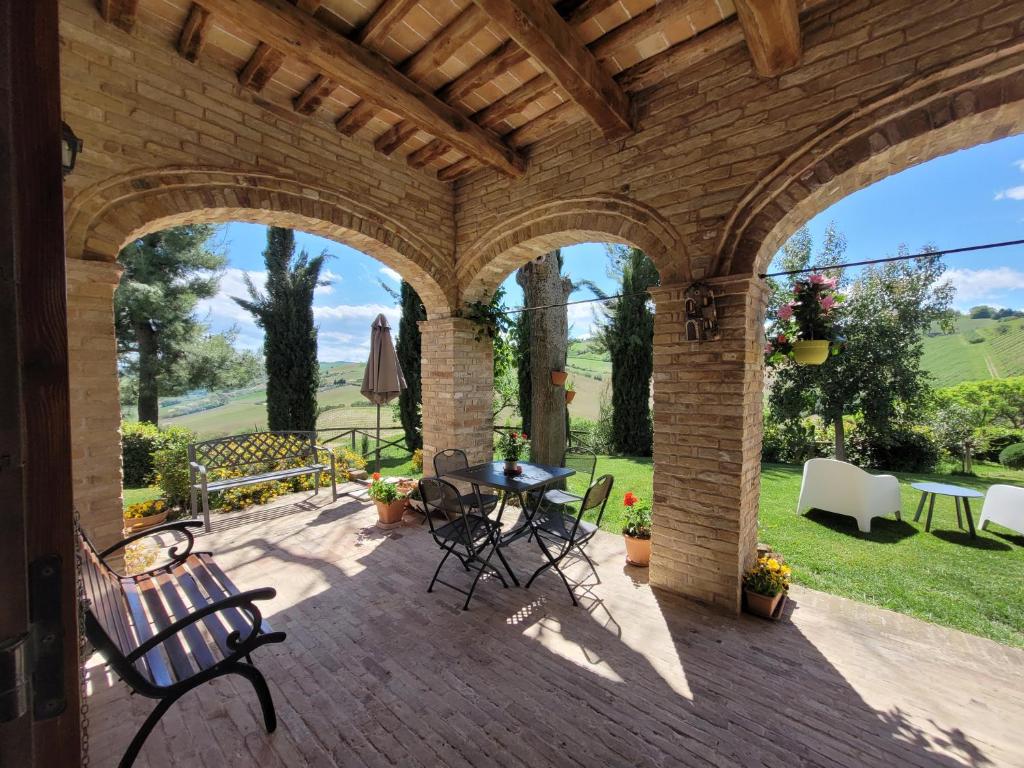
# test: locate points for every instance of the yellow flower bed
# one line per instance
(767, 577)
(145, 509)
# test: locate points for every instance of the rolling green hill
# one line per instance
(977, 350)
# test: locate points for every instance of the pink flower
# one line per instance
(817, 279)
(768, 348)
(832, 283)
(785, 311)
(827, 302)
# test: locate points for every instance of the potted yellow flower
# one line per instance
(764, 586)
(389, 500)
(145, 515)
(636, 530)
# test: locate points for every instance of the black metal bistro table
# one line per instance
(945, 489)
(534, 477)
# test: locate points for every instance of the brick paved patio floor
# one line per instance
(378, 672)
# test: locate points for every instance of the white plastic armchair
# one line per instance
(1004, 504)
(835, 486)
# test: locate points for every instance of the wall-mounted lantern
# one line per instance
(70, 146)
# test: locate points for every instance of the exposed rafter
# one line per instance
(261, 66)
(356, 118)
(384, 19)
(515, 101)
(394, 137)
(643, 26)
(120, 13)
(313, 95)
(536, 26)
(506, 56)
(427, 153)
(193, 34)
(772, 31)
(365, 73)
(681, 56)
(455, 170)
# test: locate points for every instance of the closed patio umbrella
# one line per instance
(383, 379)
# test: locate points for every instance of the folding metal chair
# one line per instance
(473, 538)
(454, 459)
(585, 464)
(561, 532)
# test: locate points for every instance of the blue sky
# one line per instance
(969, 197)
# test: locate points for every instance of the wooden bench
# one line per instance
(263, 457)
(173, 628)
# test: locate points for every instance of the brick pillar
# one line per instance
(458, 390)
(95, 400)
(707, 444)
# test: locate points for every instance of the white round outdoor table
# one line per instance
(945, 489)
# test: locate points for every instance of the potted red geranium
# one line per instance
(389, 500)
(511, 445)
(803, 329)
(636, 530)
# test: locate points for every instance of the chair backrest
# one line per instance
(1004, 504)
(450, 460)
(596, 497)
(583, 461)
(441, 496)
(254, 448)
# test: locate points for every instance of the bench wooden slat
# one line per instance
(229, 585)
(159, 672)
(106, 601)
(186, 578)
(236, 619)
(173, 646)
(197, 644)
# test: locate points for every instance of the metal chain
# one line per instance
(82, 647)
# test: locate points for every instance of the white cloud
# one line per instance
(582, 320)
(223, 308)
(974, 284)
(1013, 193)
(329, 277)
(391, 274)
(1019, 164)
(365, 312)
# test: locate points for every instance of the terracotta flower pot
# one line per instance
(390, 515)
(638, 551)
(511, 467)
(569, 395)
(558, 377)
(762, 605)
(811, 352)
(138, 523)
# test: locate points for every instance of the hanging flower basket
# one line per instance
(558, 377)
(804, 328)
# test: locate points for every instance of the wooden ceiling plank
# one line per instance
(367, 74)
(427, 153)
(313, 95)
(395, 137)
(261, 66)
(681, 56)
(536, 26)
(193, 34)
(544, 125)
(120, 13)
(455, 170)
(772, 32)
(587, 10)
(384, 19)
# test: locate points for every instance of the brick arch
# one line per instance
(603, 218)
(934, 116)
(104, 217)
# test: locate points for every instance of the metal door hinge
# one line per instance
(47, 632)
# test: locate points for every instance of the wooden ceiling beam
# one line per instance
(455, 170)
(313, 95)
(427, 154)
(515, 101)
(642, 26)
(544, 125)
(536, 26)
(586, 10)
(356, 118)
(193, 34)
(772, 32)
(367, 74)
(120, 13)
(385, 18)
(502, 59)
(440, 48)
(395, 137)
(261, 66)
(308, 6)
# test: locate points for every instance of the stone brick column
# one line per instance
(95, 400)
(458, 390)
(707, 444)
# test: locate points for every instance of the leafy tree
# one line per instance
(982, 312)
(958, 429)
(164, 349)
(1002, 399)
(285, 313)
(410, 399)
(628, 334)
(887, 311)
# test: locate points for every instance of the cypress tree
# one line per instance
(628, 333)
(408, 351)
(285, 312)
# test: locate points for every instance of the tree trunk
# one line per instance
(149, 392)
(968, 460)
(840, 438)
(543, 284)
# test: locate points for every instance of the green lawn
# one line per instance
(139, 495)
(944, 576)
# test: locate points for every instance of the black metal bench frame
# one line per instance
(252, 450)
(145, 649)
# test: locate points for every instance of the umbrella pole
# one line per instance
(378, 437)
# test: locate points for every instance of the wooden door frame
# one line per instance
(35, 425)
